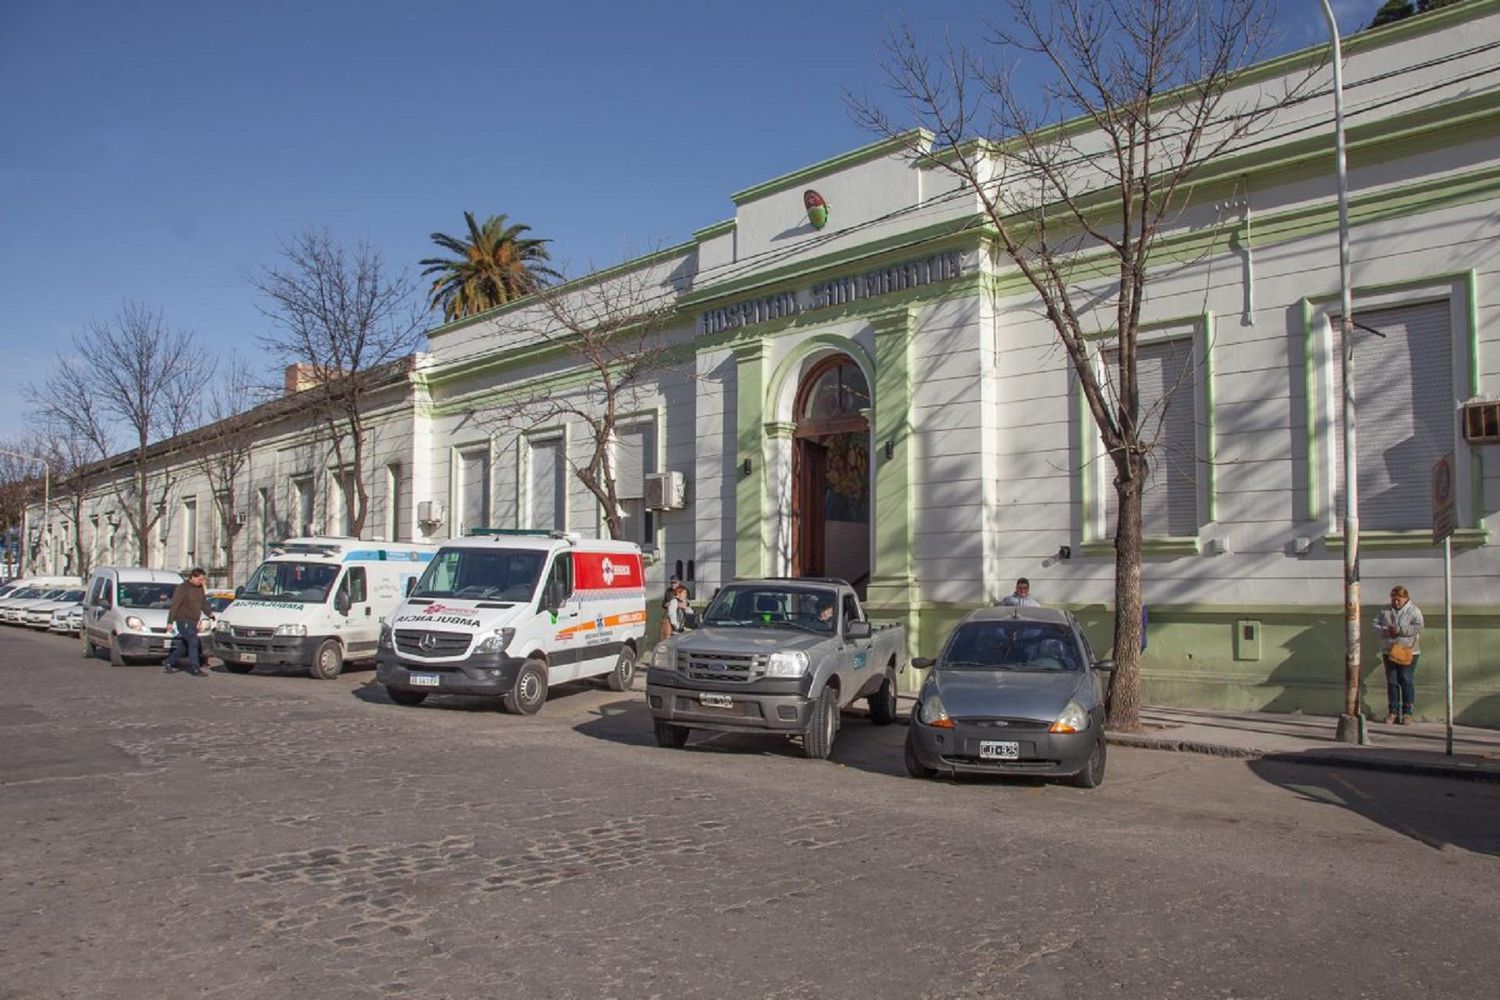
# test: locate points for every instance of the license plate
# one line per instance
(708, 700)
(425, 680)
(249, 657)
(999, 750)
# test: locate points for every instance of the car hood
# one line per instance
(749, 640)
(1007, 694)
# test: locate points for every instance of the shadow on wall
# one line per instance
(1437, 812)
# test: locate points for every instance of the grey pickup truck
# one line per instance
(776, 656)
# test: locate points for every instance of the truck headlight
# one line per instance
(496, 641)
(1072, 720)
(663, 656)
(134, 622)
(222, 627)
(298, 631)
(786, 665)
(386, 642)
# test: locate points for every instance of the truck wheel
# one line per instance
(238, 668)
(328, 662)
(817, 742)
(407, 698)
(883, 703)
(670, 736)
(620, 678)
(915, 767)
(1093, 772)
(529, 691)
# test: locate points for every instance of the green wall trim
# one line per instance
(1149, 547)
(1463, 538)
(750, 490)
(717, 229)
(1320, 446)
(874, 151)
(892, 573)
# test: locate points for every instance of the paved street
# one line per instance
(274, 836)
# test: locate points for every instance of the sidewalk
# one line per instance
(1414, 749)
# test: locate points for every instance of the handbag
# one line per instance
(1400, 655)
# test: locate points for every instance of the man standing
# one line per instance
(189, 604)
(1021, 598)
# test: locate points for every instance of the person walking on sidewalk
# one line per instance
(1400, 629)
(189, 604)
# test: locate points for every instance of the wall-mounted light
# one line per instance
(745, 467)
(1065, 552)
(890, 449)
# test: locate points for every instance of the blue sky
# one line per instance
(160, 151)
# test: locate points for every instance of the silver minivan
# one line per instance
(125, 612)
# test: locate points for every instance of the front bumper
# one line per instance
(143, 644)
(276, 651)
(956, 750)
(764, 706)
(477, 674)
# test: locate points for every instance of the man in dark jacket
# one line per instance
(189, 603)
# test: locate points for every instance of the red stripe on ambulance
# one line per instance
(607, 571)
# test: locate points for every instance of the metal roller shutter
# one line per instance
(548, 484)
(1169, 500)
(1403, 385)
(635, 457)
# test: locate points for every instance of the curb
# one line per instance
(1317, 758)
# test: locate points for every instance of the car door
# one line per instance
(562, 620)
(101, 597)
(360, 627)
(854, 654)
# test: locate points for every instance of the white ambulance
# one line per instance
(510, 612)
(316, 603)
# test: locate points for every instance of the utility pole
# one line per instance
(1351, 728)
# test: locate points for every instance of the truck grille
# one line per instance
(414, 642)
(731, 667)
(240, 632)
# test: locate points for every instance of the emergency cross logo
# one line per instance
(610, 571)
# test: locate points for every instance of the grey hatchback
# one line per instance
(1015, 690)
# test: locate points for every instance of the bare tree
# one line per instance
(128, 384)
(613, 331)
(346, 321)
(70, 457)
(1137, 96)
(221, 448)
(20, 486)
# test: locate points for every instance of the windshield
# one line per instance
(157, 596)
(307, 582)
(25, 594)
(482, 574)
(217, 603)
(68, 595)
(774, 605)
(1012, 645)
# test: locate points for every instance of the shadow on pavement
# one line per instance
(373, 692)
(1438, 812)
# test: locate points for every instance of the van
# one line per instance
(510, 613)
(125, 612)
(316, 603)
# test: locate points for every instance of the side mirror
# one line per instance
(411, 584)
(922, 662)
(342, 603)
(857, 630)
(239, 591)
(1104, 666)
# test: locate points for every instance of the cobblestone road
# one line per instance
(274, 836)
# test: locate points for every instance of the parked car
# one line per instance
(218, 600)
(13, 609)
(39, 614)
(125, 612)
(1015, 690)
(512, 613)
(776, 656)
(69, 621)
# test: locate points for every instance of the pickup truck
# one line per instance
(776, 656)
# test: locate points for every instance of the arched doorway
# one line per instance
(831, 473)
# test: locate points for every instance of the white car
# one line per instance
(68, 621)
(13, 610)
(39, 614)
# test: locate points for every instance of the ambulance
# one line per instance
(510, 613)
(317, 603)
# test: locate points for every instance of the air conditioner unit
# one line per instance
(430, 512)
(239, 519)
(665, 491)
(1482, 421)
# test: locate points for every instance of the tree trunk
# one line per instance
(1125, 684)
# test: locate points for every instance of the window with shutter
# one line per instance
(1169, 501)
(635, 458)
(1403, 383)
(474, 490)
(547, 483)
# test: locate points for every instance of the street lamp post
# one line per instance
(1351, 727)
(46, 496)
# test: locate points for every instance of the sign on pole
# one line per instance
(1444, 516)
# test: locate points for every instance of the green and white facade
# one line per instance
(978, 460)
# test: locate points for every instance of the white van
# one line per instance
(125, 612)
(509, 612)
(316, 603)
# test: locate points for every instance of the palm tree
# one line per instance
(495, 264)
